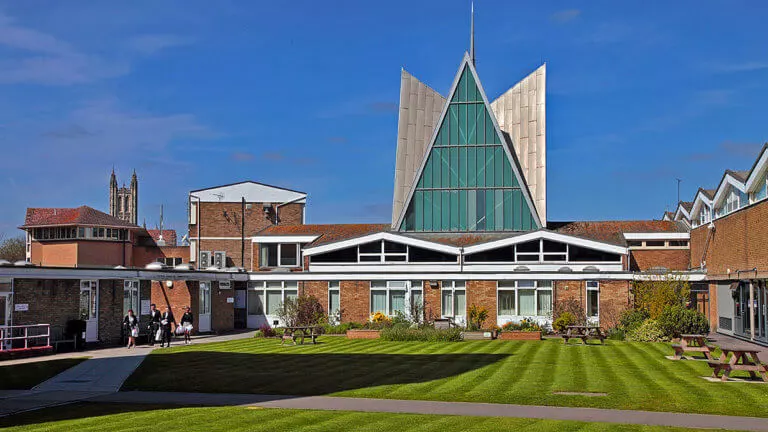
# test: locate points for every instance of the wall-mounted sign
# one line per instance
(21, 307)
(145, 307)
(230, 299)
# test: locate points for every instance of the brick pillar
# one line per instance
(483, 295)
(355, 301)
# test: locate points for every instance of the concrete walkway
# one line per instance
(722, 339)
(442, 408)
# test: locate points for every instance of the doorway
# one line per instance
(5, 319)
(204, 324)
(89, 308)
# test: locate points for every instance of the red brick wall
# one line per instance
(222, 312)
(183, 294)
(614, 299)
(673, 259)
(355, 301)
(738, 243)
(432, 301)
(319, 289)
(482, 294)
(54, 254)
(103, 253)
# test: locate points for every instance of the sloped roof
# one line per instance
(739, 175)
(82, 215)
(613, 231)
(687, 205)
(250, 190)
(169, 236)
(461, 239)
(328, 233)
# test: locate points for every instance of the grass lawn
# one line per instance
(633, 375)
(24, 376)
(119, 417)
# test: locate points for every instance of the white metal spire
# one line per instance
(472, 33)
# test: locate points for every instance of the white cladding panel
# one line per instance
(251, 191)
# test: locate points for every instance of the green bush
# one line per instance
(258, 334)
(617, 334)
(340, 328)
(677, 320)
(648, 331)
(426, 334)
(563, 321)
(632, 319)
(476, 317)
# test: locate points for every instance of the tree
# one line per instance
(13, 248)
(656, 292)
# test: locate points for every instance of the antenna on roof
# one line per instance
(678, 189)
(160, 240)
(472, 34)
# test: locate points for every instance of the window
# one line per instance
(761, 192)
(416, 305)
(204, 306)
(131, 297)
(704, 216)
(454, 299)
(654, 243)
(388, 297)
(542, 251)
(334, 303)
(192, 250)
(593, 299)
(193, 212)
(279, 255)
(678, 243)
(273, 292)
(524, 298)
(383, 251)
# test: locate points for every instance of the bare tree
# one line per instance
(13, 248)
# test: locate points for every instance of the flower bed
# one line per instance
(362, 334)
(520, 335)
(479, 335)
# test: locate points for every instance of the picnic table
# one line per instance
(741, 359)
(692, 343)
(584, 333)
(300, 332)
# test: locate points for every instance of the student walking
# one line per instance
(165, 321)
(186, 322)
(154, 324)
(131, 324)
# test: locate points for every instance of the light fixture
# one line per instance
(169, 283)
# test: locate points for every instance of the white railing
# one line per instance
(7, 338)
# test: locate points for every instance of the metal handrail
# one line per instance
(6, 330)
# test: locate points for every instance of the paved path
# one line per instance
(718, 338)
(443, 408)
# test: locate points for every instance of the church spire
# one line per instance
(472, 34)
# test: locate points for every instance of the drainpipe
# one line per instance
(199, 240)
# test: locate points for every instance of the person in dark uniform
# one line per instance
(187, 320)
(131, 324)
(154, 323)
(165, 321)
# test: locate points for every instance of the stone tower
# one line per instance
(124, 201)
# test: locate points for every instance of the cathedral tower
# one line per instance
(124, 201)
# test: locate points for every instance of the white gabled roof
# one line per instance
(700, 199)
(393, 237)
(546, 235)
(728, 181)
(251, 191)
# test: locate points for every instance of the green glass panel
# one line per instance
(463, 127)
(453, 112)
(445, 221)
(507, 210)
(498, 210)
(445, 131)
(480, 116)
(472, 210)
(490, 133)
(462, 90)
(454, 210)
(517, 202)
(480, 210)
(526, 215)
(418, 201)
(472, 92)
(507, 172)
(410, 218)
(489, 177)
(436, 207)
(498, 169)
(490, 224)
(454, 151)
(462, 167)
(471, 167)
(472, 124)
(427, 210)
(426, 177)
(462, 210)
(435, 156)
(480, 166)
(445, 167)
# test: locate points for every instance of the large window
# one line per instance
(734, 201)
(542, 251)
(593, 299)
(704, 216)
(525, 298)
(453, 299)
(388, 297)
(334, 301)
(74, 232)
(762, 190)
(131, 297)
(468, 182)
(279, 255)
(383, 252)
(267, 297)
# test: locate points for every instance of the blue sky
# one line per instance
(304, 94)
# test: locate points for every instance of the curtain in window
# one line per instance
(506, 302)
(592, 299)
(447, 302)
(255, 302)
(460, 303)
(416, 298)
(527, 302)
(274, 301)
(396, 301)
(333, 302)
(378, 301)
(545, 302)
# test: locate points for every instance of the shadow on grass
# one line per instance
(295, 374)
(24, 376)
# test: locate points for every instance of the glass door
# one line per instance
(204, 324)
(89, 309)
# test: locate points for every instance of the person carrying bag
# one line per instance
(154, 325)
(186, 325)
(131, 324)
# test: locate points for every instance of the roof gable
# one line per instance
(82, 215)
(250, 190)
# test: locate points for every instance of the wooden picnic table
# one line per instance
(692, 343)
(742, 359)
(300, 332)
(584, 333)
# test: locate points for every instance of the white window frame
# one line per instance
(193, 212)
(334, 316)
(263, 246)
(753, 195)
(383, 255)
(538, 285)
(133, 285)
(193, 250)
(592, 285)
(262, 286)
(453, 286)
(389, 286)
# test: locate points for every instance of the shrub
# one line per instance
(563, 321)
(258, 334)
(648, 331)
(572, 306)
(304, 310)
(425, 334)
(526, 325)
(340, 328)
(267, 331)
(616, 334)
(476, 317)
(658, 292)
(677, 320)
(632, 319)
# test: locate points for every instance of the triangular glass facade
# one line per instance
(468, 182)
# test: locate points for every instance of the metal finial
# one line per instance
(472, 34)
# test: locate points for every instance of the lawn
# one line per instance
(119, 417)
(24, 376)
(632, 375)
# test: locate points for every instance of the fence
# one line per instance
(25, 336)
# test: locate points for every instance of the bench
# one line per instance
(741, 359)
(692, 343)
(293, 333)
(584, 333)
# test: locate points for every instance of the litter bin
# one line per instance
(76, 330)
